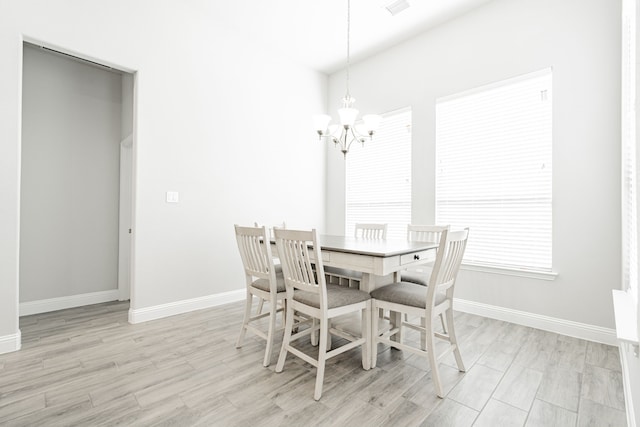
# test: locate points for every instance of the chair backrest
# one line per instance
(300, 256)
(425, 233)
(447, 264)
(371, 231)
(282, 225)
(255, 252)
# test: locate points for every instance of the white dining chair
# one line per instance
(264, 280)
(276, 261)
(424, 302)
(422, 274)
(308, 294)
(422, 233)
(370, 231)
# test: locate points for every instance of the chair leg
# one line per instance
(260, 306)
(423, 334)
(366, 334)
(272, 327)
(444, 324)
(433, 361)
(247, 316)
(322, 358)
(396, 322)
(286, 339)
(314, 332)
(454, 341)
(375, 316)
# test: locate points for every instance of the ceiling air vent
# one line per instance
(397, 6)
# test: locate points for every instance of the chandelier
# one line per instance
(347, 132)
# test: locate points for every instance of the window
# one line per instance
(493, 171)
(378, 178)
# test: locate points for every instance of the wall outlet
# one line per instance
(173, 197)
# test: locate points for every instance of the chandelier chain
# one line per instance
(348, 43)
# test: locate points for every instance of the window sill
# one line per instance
(530, 274)
(625, 312)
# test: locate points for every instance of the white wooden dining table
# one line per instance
(379, 260)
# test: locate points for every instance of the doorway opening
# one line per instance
(76, 187)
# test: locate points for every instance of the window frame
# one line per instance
(529, 271)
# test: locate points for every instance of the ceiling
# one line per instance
(314, 32)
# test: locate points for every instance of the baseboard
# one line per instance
(171, 309)
(546, 323)
(9, 343)
(53, 304)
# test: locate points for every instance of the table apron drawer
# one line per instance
(418, 257)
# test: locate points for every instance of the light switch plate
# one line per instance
(173, 197)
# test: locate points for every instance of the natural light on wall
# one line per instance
(493, 171)
(378, 178)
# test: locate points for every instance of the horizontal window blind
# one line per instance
(493, 171)
(378, 178)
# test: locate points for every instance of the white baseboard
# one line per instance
(171, 309)
(9, 343)
(53, 304)
(546, 323)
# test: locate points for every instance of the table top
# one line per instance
(372, 247)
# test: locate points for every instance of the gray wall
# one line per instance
(71, 125)
(580, 40)
(220, 116)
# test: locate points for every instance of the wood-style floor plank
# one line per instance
(87, 366)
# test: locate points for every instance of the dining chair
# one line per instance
(309, 295)
(424, 302)
(422, 233)
(263, 280)
(276, 261)
(371, 231)
(422, 273)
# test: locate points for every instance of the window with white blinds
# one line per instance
(378, 177)
(493, 171)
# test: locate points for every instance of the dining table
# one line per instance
(379, 260)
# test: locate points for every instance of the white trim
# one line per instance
(61, 303)
(507, 271)
(624, 348)
(497, 84)
(178, 307)
(624, 309)
(9, 343)
(546, 323)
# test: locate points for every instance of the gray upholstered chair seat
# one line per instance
(419, 276)
(406, 293)
(337, 296)
(343, 272)
(263, 284)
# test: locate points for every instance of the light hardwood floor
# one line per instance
(87, 366)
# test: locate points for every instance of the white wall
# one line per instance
(218, 117)
(70, 177)
(580, 40)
